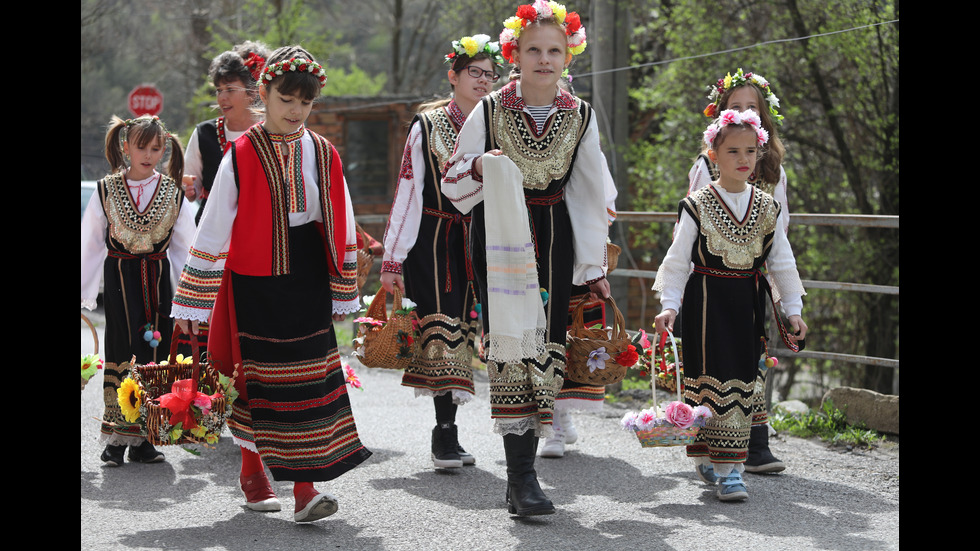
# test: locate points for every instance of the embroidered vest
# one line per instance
(260, 233)
(135, 232)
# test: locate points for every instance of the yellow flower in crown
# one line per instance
(558, 11)
(514, 23)
(470, 45)
(728, 81)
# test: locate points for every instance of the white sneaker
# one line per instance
(571, 435)
(554, 446)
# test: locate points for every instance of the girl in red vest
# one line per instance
(273, 266)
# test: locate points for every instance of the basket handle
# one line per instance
(663, 367)
(619, 323)
(95, 336)
(366, 238)
(195, 352)
(378, 307)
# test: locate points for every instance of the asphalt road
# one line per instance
(610, 493)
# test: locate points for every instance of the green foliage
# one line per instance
(828, 423)
(354, 83)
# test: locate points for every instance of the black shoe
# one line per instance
(113, 455)
(145, 453)
(466, 456)
(524, 495)
(444, 453)
(760, 459)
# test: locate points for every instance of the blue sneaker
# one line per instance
(706, 473)
(732, 488)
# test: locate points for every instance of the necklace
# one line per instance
(139, 189)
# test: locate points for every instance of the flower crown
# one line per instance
(295, 64)
(731, 116)
(529, 13)
(476, 44)
(254, 63)
(741, 79)
(147, 118)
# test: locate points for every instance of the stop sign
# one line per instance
(145, 99)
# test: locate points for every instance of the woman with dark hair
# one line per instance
(235, 75)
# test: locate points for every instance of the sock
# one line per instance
(723, 469)
(251, 463)
(303, 492)
(445, 408)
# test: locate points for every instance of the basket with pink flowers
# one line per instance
(677, 424)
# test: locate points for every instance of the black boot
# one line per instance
(524, 495)
(113, 455)
(444, 453)
(760, 459)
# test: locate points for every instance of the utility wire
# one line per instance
(730, 50)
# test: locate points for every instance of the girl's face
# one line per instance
(542, 56)
(284, 114)
(744, 98)
(470, 89)
(233, 98)
(143, 160)
(735, 157)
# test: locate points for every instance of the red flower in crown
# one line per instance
(572, 23)
(527, 13)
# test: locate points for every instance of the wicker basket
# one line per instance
(365, 258)
(612, 256)
(391, 345)
(668, 384)
(669, 435)
(156, 380)
(583, 341)
(95, 337)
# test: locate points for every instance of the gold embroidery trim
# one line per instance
(737, 244)
(139, 232)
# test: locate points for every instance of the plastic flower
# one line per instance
(198, 432)
(351, 377)
(558, 11)
(469, 45)
(679, 414)
(408, 305)
(367, 320)
(130, 398)
(628, 357)
(597, 359)
(90, 364)
(179, 400)
(727, 82)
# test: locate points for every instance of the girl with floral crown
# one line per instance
(728, 229)
(426, 243)
(135, 234)
(537, 149)
(751, 92)
(273, 266)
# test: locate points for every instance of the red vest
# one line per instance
(260, 233)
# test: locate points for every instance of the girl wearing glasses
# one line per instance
(426, 244)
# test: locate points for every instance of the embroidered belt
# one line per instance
(457, 218)
(541, 201)
(760, 306)
(149, 272)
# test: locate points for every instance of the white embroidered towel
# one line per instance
(516, 312)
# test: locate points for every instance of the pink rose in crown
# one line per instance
(679, 414)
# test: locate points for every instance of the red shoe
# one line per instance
(318, 506)
(258, 493)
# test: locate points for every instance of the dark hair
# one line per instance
(744, 127)
(771, 154)
(460, 62)
(140, 132)
(231, 65)
(293, 83)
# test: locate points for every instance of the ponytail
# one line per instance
(113, 145)
(175, 168)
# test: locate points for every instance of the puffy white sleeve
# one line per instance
(610, 188)
(200, 279)
(585, 197)
(699, 176)
(780, 195)
(180, 241)
(781, 264)
(94, 250)
(676, 267)
(405, 217)
(461, 184)
(193, 163)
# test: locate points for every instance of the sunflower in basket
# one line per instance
(130, 398)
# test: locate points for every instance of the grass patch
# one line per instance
(829, 424)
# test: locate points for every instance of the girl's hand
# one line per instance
(665, 320)
(600, 289)
(190, 191)
(799, 328)
(478, 164)
(390, 280)
(188, 327)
